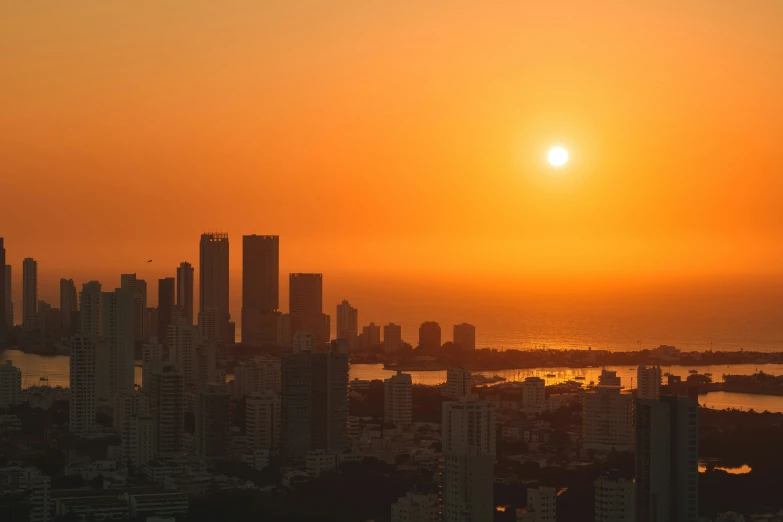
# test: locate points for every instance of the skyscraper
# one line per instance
(608, 419)
(116, 361)
(305, 305)
(168, 405)
(82, 380)
(185, 290)
(371, 336)
(648, 382)
(151, 364)
(255, 375)
(429, 335)
(465, 336)
(29, 292)
(459, 383)
(166, 300)
(468, 460)
(533, 395)
(260, 289)
(7, 306)
(262, 420)
(213, 283)
(69, 305)
(347, 323)
(138, 288)
(398, 399)
(667, 459)
(615, 498)
(183, 341)
(10, 384)
(213, 423)
(314, 403)
(90, 310)
(392, 338)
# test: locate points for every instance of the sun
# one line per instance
(557, 156)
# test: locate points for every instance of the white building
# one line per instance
(459, 383)
(615, 499)
(468, 438)
(10, 384)
(138, 440)
(607, 420)
(415, 507)
(392, 338)
(262, 420)
(303, 342)
(541, 506)
(82, 384)
(398, 399)
(648, 382)
(257, 374)
(533, 395)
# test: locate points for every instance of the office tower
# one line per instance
(90, 310)
(213, 284)
(314, 403)
(398, 399)
(541, 506)
(607, 420)
(459, 383)
(371, 336)
(82, 385)
(429, 335)
(416, 507)
(533, 395)
(151, 363)
(5, 293)
(10, 385)
(256, 375)
(7, 305)
(213, 423)
(608, 378)
(166, 299)
(347, 323)
(648, 382)
(284, 336)
(184, 344)
(29, 292)
(468, 440)
(392, 338)
(305, 306)
(116, 360)
(138, 288)
(68, 304)
(667, 459)
(138, 439)
(260, 289)
(465, 336)
(185, 290)
(168, 405)
(262, 420)
(615, 498)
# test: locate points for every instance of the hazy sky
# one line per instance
(396, 139)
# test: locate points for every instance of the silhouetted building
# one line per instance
(608, 419)
(284, 335)
(90, 310)
(667, 459)
(371, 336)
(5, 294)
(69, 305)
(392, 338)
(262, 420)
(648, 382)
(115, 363)
(429, 335)
(137, 287)
(398, 399)
(213, 285)
(416, 507)
(459, 383)
(213, 423)
(314, 403)
(29, 293)
(184, 343)
(541, 505)
(166, 303)
(468, 440)
(185, 290)
(151, 364)
(615, 498)
(260, 289)
(347, 323)
(465, 336)
(168, 405)
(256, 375)
(10, 385)
(305, 305)
(82, 379)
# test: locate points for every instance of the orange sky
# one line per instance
(396, 139)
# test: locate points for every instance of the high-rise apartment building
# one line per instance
(648, 382)
(263, 420)
(166, 304)
(392, 338)
(213, 423)
(90, 310)
(7, 305)
(82, 385)
(607, 421)
(416, 507)
(69, 305)
(667, 459)
(214, 284)
(185, 290)
(429, 335)
(256, 375)
(305, 306)
(465, 336)
(398, 399)
(615, 498)
(533, 395)
(116, 349)
(10, 385)
(260, 289)
(608, 378)
(541, 505)
(347, 323)
(138, 439)
(284, 335)
(168, 405)
(29, 293)
(468, 440)
(314, 403)
(459, 383)
(151, 363)
(371, 336)
(137, 287)
(184, 343)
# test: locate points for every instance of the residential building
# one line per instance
(10, 385)
(392, 338)
(214, 287)
(185, 290)
(128, 403)
(256, 375)
(263, 420)
(533, 395)
(371, 336)
(90, 310)
(260, 289)
(304, 342)
(615, 498)
(168, 407)
(429, 335)
(213, 423)
(82, 385)
(37, 487)
(151, 363)
(115, 361)
(398, 399)
(347, 323)
(459, 383)
(5, 295)
(608, 378)
(69, 306)
(465, 336)
(284, 335)
(305, 306)
(184, 343)
(137, 287)
(29, 293)
(166, 303)
(648, 382)
(138, 439)
(416, 507)
(607, 419)
(541, 506)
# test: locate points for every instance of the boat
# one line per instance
(580, 377)
(708, 375)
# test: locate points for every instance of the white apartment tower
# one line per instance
(468, 460)
(459, 383)
(398, 399)
(648, 382)
(607, 423)
(262, 420)
(533, 395)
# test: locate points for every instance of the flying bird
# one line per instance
(150, 261)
